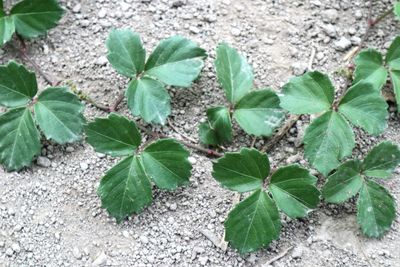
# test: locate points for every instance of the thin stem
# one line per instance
(179, 132)
(84, 97)
(114, 106)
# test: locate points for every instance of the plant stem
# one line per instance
(179, 132)
(114, 106)
(84, 97)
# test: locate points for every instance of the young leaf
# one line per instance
(328, 139)
(393, 62)
(234, 73)
(253, 223)
(259, 113)
(176, 61)
(166, 163)
(218, 129)
(125, 52)
(7, 29)
(17, 85)
(242, 172)
(114, 135)
(19, 138)
(370, 68)
(382, 160)
(375, 209)
(34, 17)
(294, 191)
(308, 94)
(125, 188)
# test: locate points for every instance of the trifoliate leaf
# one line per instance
(259, 113)
(59, 115)
(114, 135)
(375, 209)
(382, 160)
(149, 99)
(125, 188)
(17, 85)
(370, 68)
(328, 139)
(19, 138)
(176, 61)
(125, 52)
(218, 129)
(34, 17)
(363, 106)
(308, 94)
(393, 62)
(7, 29)
(166, 163)
(253, 223)
(345, 183)
(234, 73)
(243, 171)
(293, 189)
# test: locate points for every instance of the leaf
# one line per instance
(17, 85)
(125, 52)
(218, 129)
(293, 189)
(259, 113)
(34, 17)
(253, 223)
(397, 9)
(234, 73)
(166, 163)
(345, 183)
(370, 68)
(395, 78)
(7, 29)
(125, 189)
(328, 139)
(363, 106)
(149, 99)
(308, 94)
(393, 62)
(19, 138)
(176, 61)
(244, 171)
(375, 209)
(59, 115)
(114, 135)
(382, 160)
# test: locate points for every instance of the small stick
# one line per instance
(114, 107)
(280, 256)
(253, 142)
(310, 62)
(179, 132)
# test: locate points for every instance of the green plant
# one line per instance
(375, 206)
(255, 221)
(126, 187)
(256, 111)
(29, 18)
(396, 8)
(57, 111)
(329, 138)
(176, 61)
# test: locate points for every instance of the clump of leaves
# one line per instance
(57, 111)
(176, 61)
(29, 18)
(126, 187)
(329, 138)
(256, 111)
(375, 205)
(255, 221)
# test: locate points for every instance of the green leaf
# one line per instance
(253, 223)
(397, 9)
(176, 61)
(375, 209)
(294, 191)
(243, 171)
(370, 68)
(395, 78)
(17, 85)
(149, 99)
(125, 52)
(59, 115)
(393, 62)
(218, 129)
(345, 183)
(7, 29)
(125, 188)
(328, 139)
(259, 113)
(308, 94)
(166, 163)
(363, 106)
(382, 160)
(234, 73)
(114, 135)
(19, 138)
(34, 17)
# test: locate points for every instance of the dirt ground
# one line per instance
(51, 216)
